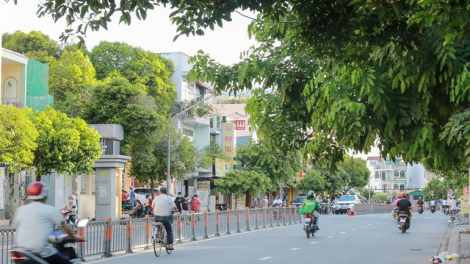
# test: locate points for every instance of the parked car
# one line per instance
(345, 203)
(298, 200)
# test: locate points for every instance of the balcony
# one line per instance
(192, 119)
(12, 101)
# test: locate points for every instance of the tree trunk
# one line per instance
(247, 199)
(151, 188)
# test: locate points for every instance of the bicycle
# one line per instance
(159, 239)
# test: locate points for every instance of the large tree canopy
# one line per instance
(34, 45)
(17, 138)
(343, 73)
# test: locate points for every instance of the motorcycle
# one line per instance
(433, 209)
(420, 209)
(403, 221)
(309, 224)
(59, 239)
(324, 209)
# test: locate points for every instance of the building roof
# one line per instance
(374, 158)
(234, 112)
(14, 53)
(206, 86)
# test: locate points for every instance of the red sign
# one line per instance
(465, 191)
(240, 124)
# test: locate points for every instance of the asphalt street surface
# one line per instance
(372, 238)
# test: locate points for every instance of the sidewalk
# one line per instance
(458, 242)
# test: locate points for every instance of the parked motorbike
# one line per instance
(403, 221)
(420, 208)
(59, 239)
(309, 225)
(433, 209)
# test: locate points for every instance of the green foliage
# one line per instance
(146, 69)
(209, 153)
(380, 196)
(65, 144)
(356, 173)
(280, 167)
(34, 45)
(17, 138)
(239, 182)
(440, 187)
(313, 180)
(70, 83)
(366, 192)
(116, 101)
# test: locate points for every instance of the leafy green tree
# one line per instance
(17, 138)
(356, 173)
(34, 45)
(380, 196)
(116, 101)
(348, 73)
(313, 180)
(280, 167)
(239, 182)
(147, 69)
(65, 144)
(71, 78)
(440, 187)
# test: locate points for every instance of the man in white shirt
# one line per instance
(444, 205)
(36, 221)
(162, 206)
(277, 202)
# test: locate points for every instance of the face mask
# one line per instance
(70, 201)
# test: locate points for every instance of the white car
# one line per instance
(141, 192)
(345, 203)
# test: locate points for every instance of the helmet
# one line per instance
(403, 196)
(310, 193)
(37, 191)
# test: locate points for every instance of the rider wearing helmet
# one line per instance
(405, 205)
(39, 219)
(162, 205)
(310, 205)
(420, 202)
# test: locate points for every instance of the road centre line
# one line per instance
(294, 249)
(265, 258)
(343, 233)
(353, 229)
(329, 236)
(314, 242)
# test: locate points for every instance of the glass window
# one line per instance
(402, 187)
(395, 186)
(396, 173)
(383, 175)
(83, 184)
(93, 182)
(188, 132)
(402, 174)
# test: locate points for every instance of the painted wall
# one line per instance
(15, 72)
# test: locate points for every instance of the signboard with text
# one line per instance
(219, 167)
(240, 124)
(229, 143)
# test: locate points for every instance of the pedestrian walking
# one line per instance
(185, 208)
(195, 204)
(124, 196)
(179, 202)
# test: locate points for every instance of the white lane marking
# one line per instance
(294, 249)
(343, 233)
(265, 258)
(353, 229)
(314, 242)
(329, 237)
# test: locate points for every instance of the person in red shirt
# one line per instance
(124, 199)
(195, 204)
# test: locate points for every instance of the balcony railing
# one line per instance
(12, 101)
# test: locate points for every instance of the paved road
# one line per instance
(371, 238)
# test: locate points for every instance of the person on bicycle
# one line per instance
(162, 206)
(34, 223)
(310, 205)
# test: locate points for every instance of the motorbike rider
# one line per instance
(162, 205)
(310, 205)
(72, 208)
(432, 204)
(405, 205)
(395, 205)
(420, 202)
(39, 218)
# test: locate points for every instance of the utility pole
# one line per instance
(168, 152)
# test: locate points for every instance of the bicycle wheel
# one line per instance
(157, 246)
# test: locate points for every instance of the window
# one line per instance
(377, 175)
(396, 173)
(83, 184)
(188, 132)
(93, 182)
(395, 186)
(27, 178)
(402, 187)
(402, 174)
(385, 188)
(383, 175)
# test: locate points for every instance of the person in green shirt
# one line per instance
(310, 205)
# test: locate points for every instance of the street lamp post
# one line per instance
(168, 152)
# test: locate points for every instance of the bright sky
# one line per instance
(154, 34)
